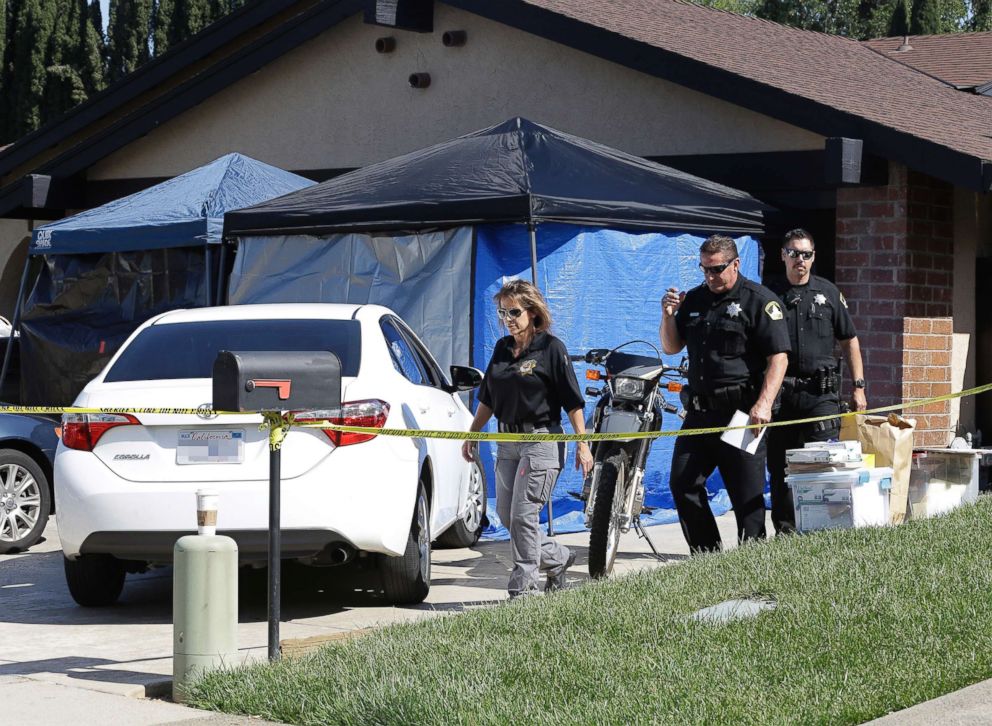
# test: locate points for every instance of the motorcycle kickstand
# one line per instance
(641, 532)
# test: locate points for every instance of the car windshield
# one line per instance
(188, 350)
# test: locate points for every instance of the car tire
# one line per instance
(407, 579)
(94, 580)
(467, 529)
(25, 501)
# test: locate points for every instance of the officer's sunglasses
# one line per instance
(715, 269)
(512, 313)
(793, 254)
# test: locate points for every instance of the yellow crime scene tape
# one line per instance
(288, 420)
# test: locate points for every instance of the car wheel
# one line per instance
(467, 529)
(25, 501)
(407, 579)
(94, 580)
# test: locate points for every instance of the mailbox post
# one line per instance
(274, 383)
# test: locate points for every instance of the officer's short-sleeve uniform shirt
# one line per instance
(816, 315)
(531, 388)
(729, 336)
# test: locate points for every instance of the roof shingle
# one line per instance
(961, 59)
(831, 70)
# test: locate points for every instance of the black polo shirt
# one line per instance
(534, 387)
(729, 336)
(816, 315)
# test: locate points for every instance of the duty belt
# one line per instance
(825, 380)
(724, 398)
(526, 427)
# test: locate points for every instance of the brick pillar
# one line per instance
(894, 266)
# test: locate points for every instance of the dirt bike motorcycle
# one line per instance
(631, 400)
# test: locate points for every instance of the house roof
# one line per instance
(830, 85)
(963, 60)
(834, 73)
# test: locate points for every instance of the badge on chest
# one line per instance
(527, 367)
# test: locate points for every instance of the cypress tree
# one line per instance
(161, 25)
(128, 36)
(88, 47)
(28, 74)
(899, 24)
(981, 15)
(3, 39)
(924, 19)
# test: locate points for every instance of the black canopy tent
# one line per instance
(517, 171)
(433, 234)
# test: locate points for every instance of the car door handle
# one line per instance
(424, 409)
(452, 412)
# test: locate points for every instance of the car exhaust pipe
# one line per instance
(334, 555)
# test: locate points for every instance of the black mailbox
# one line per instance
(276, 381)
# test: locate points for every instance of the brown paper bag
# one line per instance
(890, 439)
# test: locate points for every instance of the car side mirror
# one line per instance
(465, 378)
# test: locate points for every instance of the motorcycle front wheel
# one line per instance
(604, 537)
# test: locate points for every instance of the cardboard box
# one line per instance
(841, 499)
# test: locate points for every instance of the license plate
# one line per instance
(216, 446)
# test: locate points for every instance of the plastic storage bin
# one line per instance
(841, 499)
(942, 479)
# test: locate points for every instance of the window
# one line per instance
(404, 359)
(427, 362)
(188, 350)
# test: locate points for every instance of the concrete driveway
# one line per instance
(126, 650)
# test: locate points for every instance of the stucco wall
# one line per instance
(334, 102)
(14, 235)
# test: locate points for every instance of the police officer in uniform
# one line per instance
(734, 330)
(816, 315)
(529, 381)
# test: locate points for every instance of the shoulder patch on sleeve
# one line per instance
(842, 300)
(773, 310)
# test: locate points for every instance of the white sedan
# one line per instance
(126, 483)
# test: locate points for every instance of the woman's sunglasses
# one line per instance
(793, 254)
(513, 313)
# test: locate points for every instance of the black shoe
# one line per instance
(557, 582)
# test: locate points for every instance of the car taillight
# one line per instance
(369, 414)
(83, 430)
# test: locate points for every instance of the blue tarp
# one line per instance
(184, 211)
(604, 288)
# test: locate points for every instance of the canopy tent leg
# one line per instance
(533, 275)
(16, 322)
(533, 252)
(207, 276)
(221, 266)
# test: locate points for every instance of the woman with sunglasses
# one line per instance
(529, 381)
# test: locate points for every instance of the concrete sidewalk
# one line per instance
(61, 665)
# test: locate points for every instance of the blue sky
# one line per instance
(105, 7)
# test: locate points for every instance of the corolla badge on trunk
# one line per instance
(205, 411)
(132, 457)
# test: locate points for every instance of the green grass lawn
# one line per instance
(868, 621)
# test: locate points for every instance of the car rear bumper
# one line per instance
(339, 503)
(253, 545)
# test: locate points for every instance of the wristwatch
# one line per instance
(859, 382)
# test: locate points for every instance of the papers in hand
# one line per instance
(743, 439)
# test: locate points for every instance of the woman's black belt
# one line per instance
(526, 427)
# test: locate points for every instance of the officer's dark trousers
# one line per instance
(781, 438)
(743, 474)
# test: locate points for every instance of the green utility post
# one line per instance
(204, 602)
